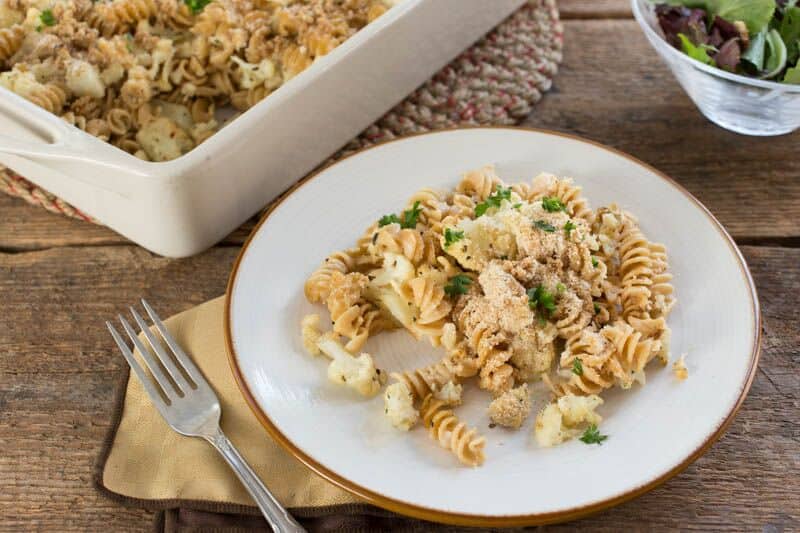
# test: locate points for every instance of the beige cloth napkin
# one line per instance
(149, 461)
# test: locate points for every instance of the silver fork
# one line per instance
(189, 405)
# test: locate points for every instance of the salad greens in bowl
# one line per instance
(759, 38)
(736, 59)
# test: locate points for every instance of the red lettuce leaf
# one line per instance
(679, 19)
(729, 55)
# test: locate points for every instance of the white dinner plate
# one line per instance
(654, 431)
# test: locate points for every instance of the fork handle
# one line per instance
(278, 517)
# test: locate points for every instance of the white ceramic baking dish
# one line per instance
(181, 207)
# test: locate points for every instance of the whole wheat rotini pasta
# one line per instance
(452, 434)
(517, 284)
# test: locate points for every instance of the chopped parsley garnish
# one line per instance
(458, 284)
(451, 236)
(494, 200)
(408, 220)
(560, 287)
(594, 262)
(544, 226)
(47, 18)
(596, 308)
(129, 42)
(516, 206)
(196, 6)
(592, 435)
(410, 216)
(569, 226)
(388, 219)
(552, 204)
(543, 299)
(577, 367)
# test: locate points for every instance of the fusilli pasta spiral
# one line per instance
(479, 184)
(452, 434)
(318, 286)
(10, 41)
(428, 379)
(567, 192)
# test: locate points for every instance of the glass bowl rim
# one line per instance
(714, 71)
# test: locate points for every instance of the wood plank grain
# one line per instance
(617, 91)
(594, 9)
(24, 227)
(57, 372)
(58, 368)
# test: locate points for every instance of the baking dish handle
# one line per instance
(58, 151)
(68, 142)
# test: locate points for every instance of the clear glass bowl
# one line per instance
(737, 103)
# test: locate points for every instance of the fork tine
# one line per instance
(157, 396)
(190, 368)
(152, 364)
(158, 347)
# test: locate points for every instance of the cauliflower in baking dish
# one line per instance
(398, 405)
(563, 419)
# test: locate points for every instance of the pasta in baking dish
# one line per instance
(148, 75)
(517, 284)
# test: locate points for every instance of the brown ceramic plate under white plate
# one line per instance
(654, 431)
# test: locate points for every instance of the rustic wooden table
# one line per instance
(59, 279)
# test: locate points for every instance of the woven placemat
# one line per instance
(495, 82)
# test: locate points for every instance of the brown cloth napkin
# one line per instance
(146, 464)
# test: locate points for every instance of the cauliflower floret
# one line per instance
(449, 336)
(311, 333)
(549, 429)
(485, 238)
(398, 405)
(83, 79)
(398, 307)
(511, 408)
(177, 113)
(609, 227)
(254, 75)
(559, 421)
(358, 373)
(450, 393)
(163, 140)
(396, 269)
(533, 351)
(578, 409)
(679, 368)
(33, 19)
(21, 82)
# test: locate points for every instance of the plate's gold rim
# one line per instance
(483, 520)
